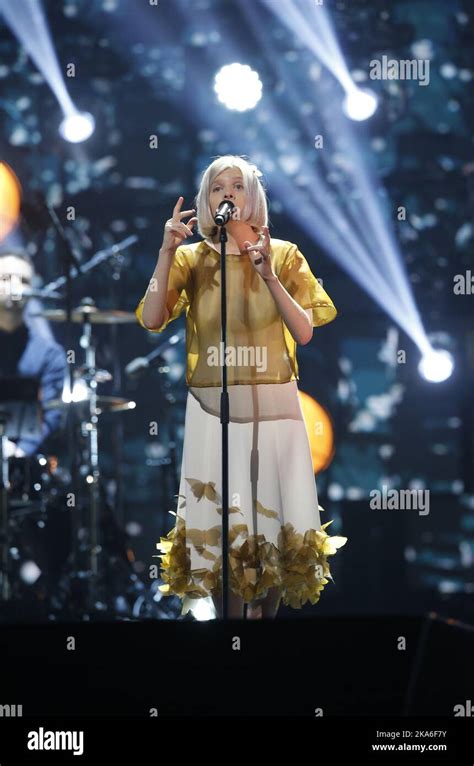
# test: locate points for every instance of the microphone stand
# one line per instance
(224, 419)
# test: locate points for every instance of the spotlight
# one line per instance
(10, 196)
(360, 104)
(79, 391)
(347, 223)
(28, 22)
(436, 366)
(77, 127)
(204, 610)
(320, 431)
(30, 572)
(238, 87)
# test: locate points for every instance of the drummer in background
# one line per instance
(23, 350)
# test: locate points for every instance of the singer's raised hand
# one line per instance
(260, 253)
(176, 230)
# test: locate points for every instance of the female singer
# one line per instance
(277, 547)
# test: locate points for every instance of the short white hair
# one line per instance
(255, 210)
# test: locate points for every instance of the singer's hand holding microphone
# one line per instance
(259, 253)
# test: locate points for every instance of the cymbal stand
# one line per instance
(5, 590)
(90, 431)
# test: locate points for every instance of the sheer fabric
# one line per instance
(260, 348)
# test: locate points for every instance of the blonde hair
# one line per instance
(255, 210)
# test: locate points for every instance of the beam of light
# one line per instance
(436, 365)
(27, 21)
(348, 225)
(312, 24)
(238, 87)
(362, 241)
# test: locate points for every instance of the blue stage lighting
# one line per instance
(238, 87)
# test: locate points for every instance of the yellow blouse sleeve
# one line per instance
(298, 279)
(179, 280)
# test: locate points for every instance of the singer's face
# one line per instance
(228, 185)
(15, 274)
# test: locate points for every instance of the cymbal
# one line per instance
(89, 313)
(104, 403)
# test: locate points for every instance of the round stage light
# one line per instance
(320, 431)
(436, 366)
(30, 572)
(77, 127)
(360, 104)
(10, 195)
(79, 391)
(238, 87)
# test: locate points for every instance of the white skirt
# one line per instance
(275, 533)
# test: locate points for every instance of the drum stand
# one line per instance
(18, 410)
(91, 469)
(5, 589)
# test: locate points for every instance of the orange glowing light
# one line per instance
(10, 195)
(320, 431)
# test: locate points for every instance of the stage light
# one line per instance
(238, 87)
(80, 391)
(28, 23)
(313, 27)
(30, 572)
(77, 127)
(10, 194)
(341, 191)
(320, 431)
(436, 366)
(360, 104)
(204, 609)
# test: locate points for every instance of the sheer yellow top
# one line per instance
(259, 346)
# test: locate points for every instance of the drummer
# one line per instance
(23, 350)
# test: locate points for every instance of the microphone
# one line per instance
(224, 212)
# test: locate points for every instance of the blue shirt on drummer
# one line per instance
(28, 351)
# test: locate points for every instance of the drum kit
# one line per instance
(58, 533)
